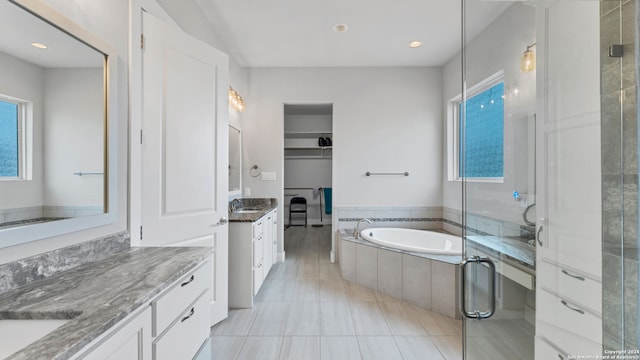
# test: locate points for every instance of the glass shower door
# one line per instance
(495, 134)
(528, 142)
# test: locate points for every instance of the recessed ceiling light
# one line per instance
(415, 44)
(39, 45)
(340, 27)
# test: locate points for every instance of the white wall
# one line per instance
(498, 47)
(384, 119)
(24, 80)
(108, 20)
(74, 137)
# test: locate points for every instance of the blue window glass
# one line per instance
(483, 134)
(8, 139)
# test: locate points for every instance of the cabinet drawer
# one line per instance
(167, 308)
(571, 285)
(545, 351)
(184, 338)
(568, 317)
(257, 229)
(564, 343)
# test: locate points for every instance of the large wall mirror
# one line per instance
(55, 137)
(235, 161)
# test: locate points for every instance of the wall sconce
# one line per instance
(528, 60)
(235, 100)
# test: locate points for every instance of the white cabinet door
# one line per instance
(130, 342)
(267, 240)
(184, 151)
(274, 238)
(258, 263)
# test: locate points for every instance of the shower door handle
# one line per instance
(477, 314)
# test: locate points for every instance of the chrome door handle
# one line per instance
(477, 314)
(223, 220)
(538, 235)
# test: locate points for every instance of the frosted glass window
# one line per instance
(9, 139)
(483, 132)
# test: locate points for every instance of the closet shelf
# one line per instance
(306, 134)
(307, 147)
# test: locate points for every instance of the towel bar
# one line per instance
(368, 173)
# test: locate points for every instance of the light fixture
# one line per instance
(415, 44)
(528, 60)
(38, 45)
(235, 100)
(340, 28)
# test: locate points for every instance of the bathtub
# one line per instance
(422, 241)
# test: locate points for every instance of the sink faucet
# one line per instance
(234, 204)
(356, 231)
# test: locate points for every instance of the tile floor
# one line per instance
(306, 311)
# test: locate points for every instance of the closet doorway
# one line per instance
(308, 147)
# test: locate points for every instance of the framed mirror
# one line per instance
(235, 161)
(57, 141)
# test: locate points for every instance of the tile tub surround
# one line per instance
(427, 280)
(264, 204)
(95, 296)
(429, 218)
(24, 271)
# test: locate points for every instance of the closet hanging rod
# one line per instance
(297, 188)
(406, 173)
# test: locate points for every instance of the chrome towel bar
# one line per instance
(406, 173)
(81, 173)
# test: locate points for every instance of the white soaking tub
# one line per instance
(423, 241)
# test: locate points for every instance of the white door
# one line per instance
(185, 147)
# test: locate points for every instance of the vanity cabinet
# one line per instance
(129, 341)
(251, 254)
(173, 325)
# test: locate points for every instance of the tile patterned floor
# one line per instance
(306, 311)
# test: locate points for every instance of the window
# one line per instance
(478, 143)
(11, 130)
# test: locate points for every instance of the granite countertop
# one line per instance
(516, 249)
(95, 296)
(261, 205)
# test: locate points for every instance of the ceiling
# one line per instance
(64, 51)
(298, 33)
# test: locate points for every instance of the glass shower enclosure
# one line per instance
(525, 131)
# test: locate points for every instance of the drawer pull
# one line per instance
(193, 311)
(579, 311)
(573, 276)
(259, 266)
(188, 281)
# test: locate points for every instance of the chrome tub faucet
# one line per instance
(356, 231)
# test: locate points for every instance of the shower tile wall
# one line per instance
(618, 21)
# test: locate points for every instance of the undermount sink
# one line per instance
(246, 211)
(17, 334)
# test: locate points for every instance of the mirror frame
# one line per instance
(237, 193)
(32, 232)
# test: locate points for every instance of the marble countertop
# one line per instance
(95, 296)
(262, 206)
(516, 249)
